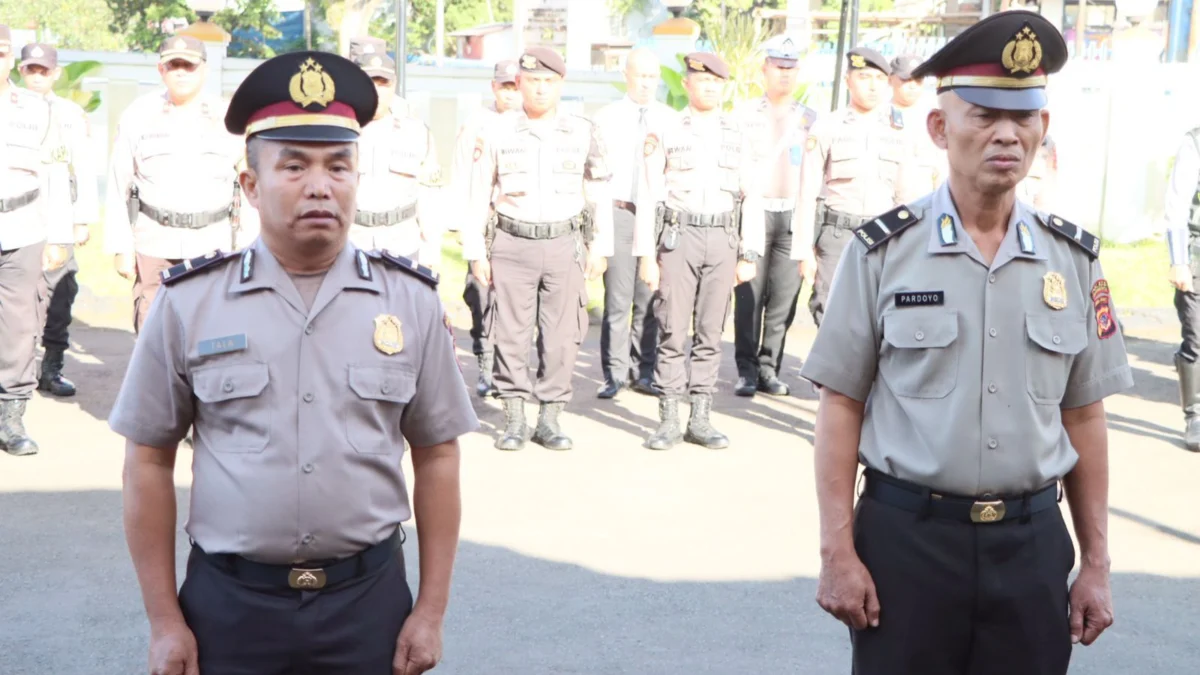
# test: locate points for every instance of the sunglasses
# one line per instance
(181, 64)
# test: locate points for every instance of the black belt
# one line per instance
(700, 219)
(625, 206)
(524, 230)
(307, 576)
(190, 221)
(384, 218)
(842, 221)
(909, 496)
(14, 203)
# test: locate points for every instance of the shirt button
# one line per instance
(308, 468)
(387, 389)
(228, 386)
(992, 388)
(992, 332)
(1056, 339)
(992, 443)
(991, 278)
(308, 398)
(308, 329)
(919, 335)
(306, 539)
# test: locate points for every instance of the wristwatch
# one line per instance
(749, 256)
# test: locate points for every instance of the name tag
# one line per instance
(921, 299)
(222, 345)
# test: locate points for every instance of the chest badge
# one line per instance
(1054, 290)
(389, 339)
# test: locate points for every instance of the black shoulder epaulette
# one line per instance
(408, 265)
(874, 232)
(188, 267)
(1085, 240)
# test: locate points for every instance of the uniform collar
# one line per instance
(258, 269)
(559, 121)
(1025, 237)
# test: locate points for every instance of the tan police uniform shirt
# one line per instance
(71, 160)
(398, 169)
(546, 170)
(854, 163)
(699, 164)
(931, 166)
(461, 165)
(300, 416)
(777, 143)
(182, 160)
(25, 122)
(965, 377)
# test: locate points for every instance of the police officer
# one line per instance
(853, 166)
(478, 296)
(699, 169)
(624, 124)
(983, 333)
(71, 167)
(31, 244)
(172, 176)
(543, 171)
(909, 112)
(1040, 186)
(1182, 215)
(765, 306)
(304, 364)
(400, 171)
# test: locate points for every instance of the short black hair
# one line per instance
(253, 150)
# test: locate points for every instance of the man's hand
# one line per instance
(745, 271)
(1091, 604)
(808, 269)
(173, 651)
(124, 264)
(419, 647)
(847, 591)
(1181, 278)
(482, 269)
(82, 234)
(596, 264)
(54, 256)
(648, 272)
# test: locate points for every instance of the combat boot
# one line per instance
(51, 379)
(515, 429)
(1189, 397)
(668, 434)
(548, 434)
(699, 430)
(485, 387)
(13, 438)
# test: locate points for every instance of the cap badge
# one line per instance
(857, 61)
(510, 69)
(311, 85)
(696, 65)
(180, 44)
(1022, 54)
(529, 62)
(37, 52)
(368, 49)
(389, 339)
(376, 62)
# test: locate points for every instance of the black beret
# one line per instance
(1000, 62)
(707, 62)
(543, 59)
(303, 96)
(860, 58)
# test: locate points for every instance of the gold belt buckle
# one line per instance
(306, 579)
(987, 512)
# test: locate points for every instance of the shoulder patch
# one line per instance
(897, 118)
(808, 117)
(408, 265)
(874, 232)
(1085, 240)
(189, 267)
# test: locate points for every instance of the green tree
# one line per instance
(82, 24)
(140, 21)
(422, 21)
(253, 15)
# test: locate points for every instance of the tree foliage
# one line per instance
(140, 22)
(254, 16)
(80, 24)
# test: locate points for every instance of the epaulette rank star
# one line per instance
(408, 265)
(1085, 240)
(183, 269)
(874, 232)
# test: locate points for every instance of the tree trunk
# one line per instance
(355, 21)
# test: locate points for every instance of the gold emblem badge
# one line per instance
(811, 143)
(1023, 53)
(306, 580)
(696, 65)
(529, 62)
(650, 145)
(312, 85)
(857, 61)
(903, 215)
(1054, 290)
(389, 339)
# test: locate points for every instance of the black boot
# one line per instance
(770, 384)
(699, 430)
(668, 434)
(515, 429)
(485, 387)
(548, 434)
(13, 438)
(51, 379)
(746, 386)
(1189, 397)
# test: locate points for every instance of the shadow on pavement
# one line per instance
(1154, 524)
(1137, 427)
(96, 363)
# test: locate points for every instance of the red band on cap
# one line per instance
(288, 108)
(986, 70)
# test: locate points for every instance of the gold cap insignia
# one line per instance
(529, 62)
(857, 61)
(1054, 290)
(1023, 53)
(696, 64)
(312, 85)
(389, 339)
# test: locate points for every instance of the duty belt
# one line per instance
(524, 230)
(911, 497)
(700, 219)
(306, 576)
(190, 221)
(842, 221)
(384, 218)
(14, 203)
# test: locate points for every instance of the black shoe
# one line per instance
(667, 435)
(643, 385)
(548, 434)
(515, 429)
(485, 387)
(746, 386)
(51, 379)
(13, 438)
(699, 430)
(773, 386)
(609, 390)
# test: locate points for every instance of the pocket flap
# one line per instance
(381, 383)
(920, 330)
(1060, 334)
(224, 383)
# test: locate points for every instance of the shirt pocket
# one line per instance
(373, 418)
(920, 355)
(568, 177)
(405, 163)
(515, 178)
(232, 415)
(843, 166)
(1053, 343)
(889, 164)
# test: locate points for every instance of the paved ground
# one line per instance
(608, 559)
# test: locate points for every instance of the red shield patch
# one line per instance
(651, 145)
(478, 150)
(1106, 323)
